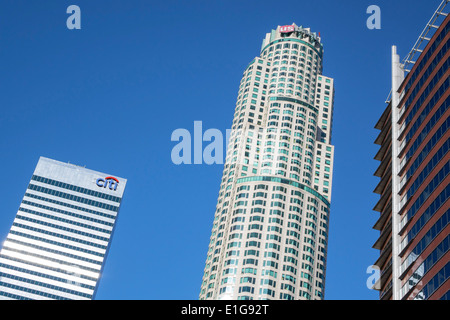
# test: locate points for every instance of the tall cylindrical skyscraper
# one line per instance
(270, 230)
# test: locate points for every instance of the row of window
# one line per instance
(271, 292)
(300, 102)
(43, 275)
(58, 235)
(56, 218)
(430, 87)
(426, 111)
(253, 246)
(432, 285)
(40, 284)
(426, 240)
(69, 214)
(62, 228)
(60, 244)
(52, 251)
(293, 62)
(284, 296)
(446, 296)
(282, 161)
(428, 190)
(290, 43)
(68, 205)
(268, 291)
(54, 261)
(273, 264)
(428, 147)
(245, 82)
(431, 68)
(425, 172)
(294, 53)
(441, 36)
(427, 215)
(308, 96)
(426, 265)
(75, 188)
(284, 181)
(72, 197)
(434, 119)
(25, 289)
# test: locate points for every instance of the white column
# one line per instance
(398, 76)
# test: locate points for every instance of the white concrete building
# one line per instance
(270, 230)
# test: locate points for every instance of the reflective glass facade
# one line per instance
(59, 239)
(423, 189)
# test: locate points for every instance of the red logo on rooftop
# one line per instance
(286, 29)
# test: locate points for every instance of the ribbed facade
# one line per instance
(270, 230)
(421, 204)
(384, 205)
(60, 236)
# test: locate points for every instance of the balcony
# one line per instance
(385, 233)
(382, 184)
(386, 214)
(383, 200)
(386, 294)
(384, 276)
(384, 254)
(382, 167)
(382, 151)
(382, 136)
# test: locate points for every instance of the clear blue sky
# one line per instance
(110, 95)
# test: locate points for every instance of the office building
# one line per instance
(414, 165)
(270, 230)
(59, 239)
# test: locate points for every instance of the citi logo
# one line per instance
(110, 182)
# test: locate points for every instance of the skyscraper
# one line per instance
(270, 230)
(414, 165)
(59, 239)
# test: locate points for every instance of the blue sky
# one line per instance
(110, 95)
